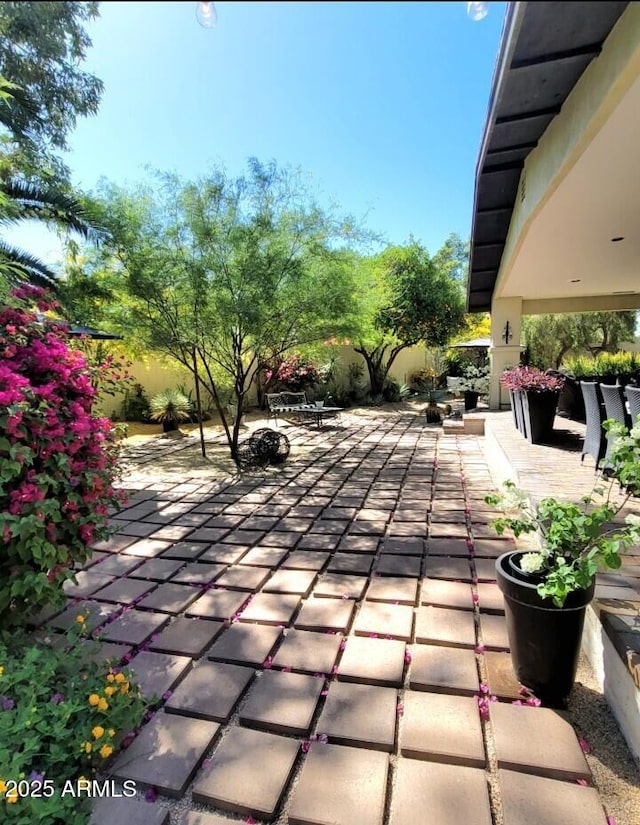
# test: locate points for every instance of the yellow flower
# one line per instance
(1, 670)
(110, 677)
(88, 747)
(106, 751)
(109, 691)
(111, 732)
(94, 699)
(103, 704)
(12, 797)
(97, 732)
(124, 687)
(3, 786)
(82, 779)
(80, 619)
(120, 677)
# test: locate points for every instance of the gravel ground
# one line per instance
(616, 774)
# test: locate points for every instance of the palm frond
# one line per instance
(18, 266)
(46, 203)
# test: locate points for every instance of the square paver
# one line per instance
(218, 604)
(393, 565)
(359, 544)
(299, 582)
(88, 581)
(442, 626)
(185, 550)
(108, 810)
(117, 565)
(200, 818)
(280, 539)
(248, 772)
(500, 676)
(124, 591)
(393, 589)
(147, 548)
(306, 560)
(530, 800)
(134, 627)
(198, 573)
(271, 608)
(308, 651)
(358, 563)
(537, 740)
(243, 577)
(444, 593)
(360, 715)
(158, 569)
(372, 661)
(210, 691)
(316, 541)
(452, 794)
(169, 598)
(340, 785)
(494, 632)
(448, 547)
(282, 702)
(337, 585)
(403, 546)
(265, 556)
(245, 644)
(223, 553)
(485, 569)
(443, 669)
(157, 673)
(442, 728)
(490, 598)
(167, 753)
(384, 619)
(95, 614)
(325, 614)
(187, 637)
(447, 567)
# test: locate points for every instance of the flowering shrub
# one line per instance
(295, 373)
(474, 379)
(57, 459)
(530, 379)
(62, 717)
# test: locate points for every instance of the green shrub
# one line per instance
(136, 405)
(605, 363)
(63, 717)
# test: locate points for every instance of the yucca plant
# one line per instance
(170, 408)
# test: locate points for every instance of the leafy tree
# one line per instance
(453, 258)
(549, 338)
(229, 273)
(406, 298)
(42, 45)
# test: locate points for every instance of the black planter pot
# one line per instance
(470, 400)
(544, 639)
(169, 426)
(534, 414)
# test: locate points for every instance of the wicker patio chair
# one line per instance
(595, 442)
(633, 397)
(613, 397)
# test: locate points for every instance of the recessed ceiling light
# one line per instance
(574, 280)
(615, 240)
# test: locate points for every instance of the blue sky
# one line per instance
(383, 104)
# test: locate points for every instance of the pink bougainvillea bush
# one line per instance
(293, 373)
(57, 458)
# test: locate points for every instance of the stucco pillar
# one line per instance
(505, 349)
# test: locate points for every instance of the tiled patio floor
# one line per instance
(320, 637)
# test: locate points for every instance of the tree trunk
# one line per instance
(376, 366)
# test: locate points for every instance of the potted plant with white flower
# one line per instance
(547, 590)
(474, 382)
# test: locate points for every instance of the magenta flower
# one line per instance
(150, 794)
(586, 747)
(6, 703)
(57, 698)
(407, 657)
